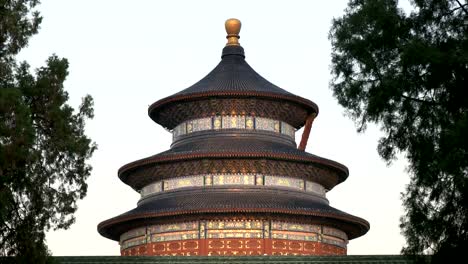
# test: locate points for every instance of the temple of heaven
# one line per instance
(234, 181)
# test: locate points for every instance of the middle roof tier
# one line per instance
(233, 151)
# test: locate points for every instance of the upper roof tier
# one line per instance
(233, 78)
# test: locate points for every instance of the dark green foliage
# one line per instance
(43, 148)
(409, 73)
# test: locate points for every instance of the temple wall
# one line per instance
(241, 237)
(234, 247)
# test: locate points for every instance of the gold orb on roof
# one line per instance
(233, 27)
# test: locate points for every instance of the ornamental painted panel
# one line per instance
(182, 248)
(245, 224)
(180, 130)
(234, 234)
(277, 225)
(234, 247)
(277, 126)
(284, 182)
(190, 245)
(133, 233)
(156, 229)
(294, 235)
(334, 241)
(265, 124)
(253, 244)
(310, 247)
(217, 122)
(183, 235)
(189, 127)
(334, 232)
(134, 242)
(183, 182)
(249, 122)
(278, 244)
(233, 122)
(233, 179)
(151, 188)
(287, 129)
(240, 122)
(331, 250)
(315, 188)
(201, 124)
(259, 179)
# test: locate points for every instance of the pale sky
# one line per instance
(129, 54)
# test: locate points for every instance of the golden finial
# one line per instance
(233, 27)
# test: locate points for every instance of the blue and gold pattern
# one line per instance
(173, 227)
(315, 188)
(181, 182)
(151, 188)
(134, 242)
(233, 179)
(234, 234)
(284, 182)
(294, 236)
(245, 224)
(276, 225)
(233, 122)
(133, 233)
(174, 236)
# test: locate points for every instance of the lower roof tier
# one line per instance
(203, 203)
(230, 154)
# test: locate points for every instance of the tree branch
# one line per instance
(462, 7)
(419, 100)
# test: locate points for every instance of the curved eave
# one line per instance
(310, 106)
(234, 200)
(104, 226)
(362, 226)
(241, 155)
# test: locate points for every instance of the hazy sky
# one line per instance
(129, 54)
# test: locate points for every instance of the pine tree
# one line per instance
(408, 73)
(43, 146)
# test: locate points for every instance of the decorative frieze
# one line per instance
(133, 233)
(157, 229)
(284, 182)
(233, 122)
(152, 188)
(234, 234)
(134, 242)
(277, 225)
(294, 236)
(182, 182)
(315, 188)
(174, 236)
(233, 179)
(245, 224)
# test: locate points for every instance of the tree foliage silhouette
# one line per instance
(43, 146)
(409, 74)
